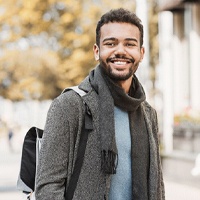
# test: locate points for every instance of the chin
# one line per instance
(120, 77)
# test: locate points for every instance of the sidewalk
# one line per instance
(9, 169)
(177, 191)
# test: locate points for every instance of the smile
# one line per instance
(121, 61)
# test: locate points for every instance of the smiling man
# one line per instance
(121, 160)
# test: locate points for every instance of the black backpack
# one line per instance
(30, 153)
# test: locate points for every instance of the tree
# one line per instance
(153, 38)
(29, 74)
(54, 41)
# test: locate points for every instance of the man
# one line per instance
(121, 160)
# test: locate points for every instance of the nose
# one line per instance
(120, 50)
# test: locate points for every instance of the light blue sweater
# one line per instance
(121, 182)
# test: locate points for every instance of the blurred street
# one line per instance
(9, 169)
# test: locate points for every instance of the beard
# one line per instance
(118, 77)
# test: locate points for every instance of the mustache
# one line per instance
(112, 59)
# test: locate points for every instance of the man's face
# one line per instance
(119, 51)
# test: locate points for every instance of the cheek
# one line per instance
(135, 54)
(104, 54)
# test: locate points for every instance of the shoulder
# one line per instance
(150, 115)
(148, 108)
(68, 105)
(69, 99)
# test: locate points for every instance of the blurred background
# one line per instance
(46, 45)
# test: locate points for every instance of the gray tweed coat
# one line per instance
(59, 150)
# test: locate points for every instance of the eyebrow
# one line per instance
(126, 39)
(131, 39)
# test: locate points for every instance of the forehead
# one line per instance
(119, 31)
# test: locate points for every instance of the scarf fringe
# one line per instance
(109, 161)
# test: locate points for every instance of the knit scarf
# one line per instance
(110, 95)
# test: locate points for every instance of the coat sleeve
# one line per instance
(54, 155)
(156, 184)
(161, 192)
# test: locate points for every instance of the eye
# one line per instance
(130, 45)
(110, 44)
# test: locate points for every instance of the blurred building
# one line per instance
(179, 72)
(179, 61)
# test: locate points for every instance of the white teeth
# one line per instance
(119, 63)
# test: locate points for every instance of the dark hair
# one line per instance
(119, 15)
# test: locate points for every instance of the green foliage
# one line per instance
(47, 45)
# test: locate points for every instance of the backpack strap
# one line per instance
(86, 128)
(76, 89)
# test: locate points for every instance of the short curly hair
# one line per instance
(120, 15)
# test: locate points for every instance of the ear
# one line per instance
(142, 51)
(96, 52)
